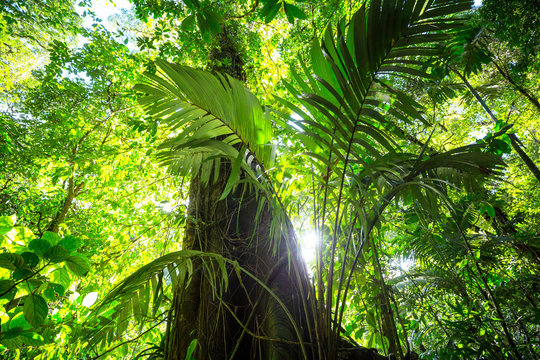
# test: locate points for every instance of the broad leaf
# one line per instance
(11, 261)
(78, 264)
(35, 310)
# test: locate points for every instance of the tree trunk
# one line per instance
(72, 192)
(242, 320)
(215, 315)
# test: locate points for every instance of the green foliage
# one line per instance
(426, 238)
(35, 310)
(219, 118)
(29, 278)
(141, 295)
(516, 22)
(272, 7)
(191, 350)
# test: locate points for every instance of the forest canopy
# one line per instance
(269, 179)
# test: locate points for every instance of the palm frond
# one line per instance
(139, 297)
(350, 106)
(348, 103)
(210, 117)
(469, 51)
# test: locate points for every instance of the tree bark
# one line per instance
(72, 192)
(242, 320)
(230, 228)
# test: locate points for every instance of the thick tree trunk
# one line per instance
(225, 320)
(241, 321)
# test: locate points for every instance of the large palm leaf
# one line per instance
(354, 120)
(349, 101)
(210, 117)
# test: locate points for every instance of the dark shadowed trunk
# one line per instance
(243, 320)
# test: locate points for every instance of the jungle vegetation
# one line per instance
(269, 179)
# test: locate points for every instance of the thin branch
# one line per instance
(514, 141)
(249, 12)
(26, 278)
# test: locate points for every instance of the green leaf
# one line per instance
(487, 208)
(35, 283)
(30, 258)
(267, 7)
(293, 12)
(191, 350)
(35, 310)
(234, 176)
(12, 339)
(477, 254)
(370, 319)
(12, 333)
(12, 343)
(71, 243)
(78, 264)
(214, 20)
(61, 276)
(49, 294)
(51, 237)
(20, 274)
(192, 4)
(206, 107)
(11, 261)
(54, 291)
(56, 254)
(32, 339)
(188, 24)
(499, 147)
(40, 246)
(5, 285)
(203, 26)
(59, 289)
(19, 321)
(157, 284)
(270, 10)
(6, 224)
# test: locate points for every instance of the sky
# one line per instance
(105, 8)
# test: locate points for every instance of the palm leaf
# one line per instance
(350, 104)
(348, 92)
(210, 116)
(138, 298)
